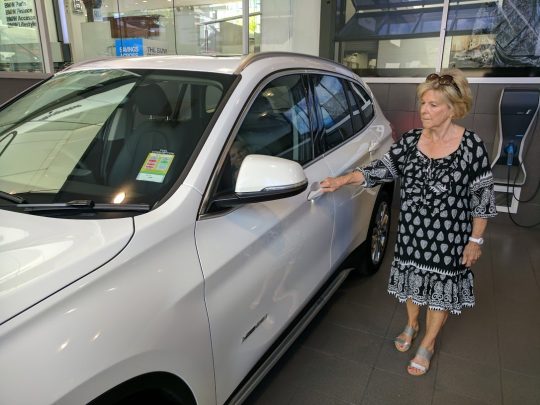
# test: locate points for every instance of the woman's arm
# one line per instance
(383, 170)
(473, 250)
(331, 184)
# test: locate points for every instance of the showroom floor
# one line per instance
(489, 355)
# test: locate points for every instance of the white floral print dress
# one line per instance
(438, 198)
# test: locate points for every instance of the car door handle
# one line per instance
(315, 192)
(373, 146)
(313, 195)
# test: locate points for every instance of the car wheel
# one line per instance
(377, 237)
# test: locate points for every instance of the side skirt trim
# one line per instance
(288, 338)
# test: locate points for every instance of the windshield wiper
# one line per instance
(13, 134)
(11, 197)
(85, 206)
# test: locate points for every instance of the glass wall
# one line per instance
(157, 27)
(78, 30)
(20, 45)
(396, 38)
(391, 38)
(494, 37)
(403, 37)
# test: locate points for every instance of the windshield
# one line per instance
(109, 136)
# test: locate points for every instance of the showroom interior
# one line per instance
(489, 355)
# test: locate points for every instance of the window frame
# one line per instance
(45, 45)
(211, 191)
(233, 135)
(364, 105)
(347, 83)
(206, 210)
(351, 94)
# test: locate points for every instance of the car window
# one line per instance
(276, 124)
(336, 118)
(364, 101)
(97, 134)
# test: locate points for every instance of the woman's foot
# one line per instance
(419, 365)
(404, 340)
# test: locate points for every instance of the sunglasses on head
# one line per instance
(444, 80)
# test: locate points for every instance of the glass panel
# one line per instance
(390, 37)
(101, 133)
(335, 111)
(224, 37)
(126, 28)
(494, 37)
(155, 27)
(277, 123)
(20, 46)
(211, 28)
(277, 25)
(255, 30)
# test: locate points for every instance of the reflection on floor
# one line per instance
(488, 355)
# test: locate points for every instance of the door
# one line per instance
(263, 261)
(348, 137)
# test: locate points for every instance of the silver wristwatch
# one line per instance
(480, 241)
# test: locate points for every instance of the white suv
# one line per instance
(162, 234)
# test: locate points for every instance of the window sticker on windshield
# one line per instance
(156, 166)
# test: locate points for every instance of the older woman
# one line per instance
(446, 197)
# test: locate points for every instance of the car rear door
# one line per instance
(349, 137)
(263, 261)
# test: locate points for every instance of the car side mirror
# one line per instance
(265, 178)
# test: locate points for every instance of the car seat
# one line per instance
(266, 131)
(156, 133)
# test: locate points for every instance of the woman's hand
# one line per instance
(331, 184)
(471, 254)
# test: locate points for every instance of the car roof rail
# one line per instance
(86, 62)
(254, 57)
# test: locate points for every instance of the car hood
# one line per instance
(41, 255)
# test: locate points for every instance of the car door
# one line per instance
(263, 261)
(349, 137)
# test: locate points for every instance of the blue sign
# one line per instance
(129, 47)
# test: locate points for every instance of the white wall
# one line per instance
(408, 53)
(290, 25)
(307, 26)
(187, 33)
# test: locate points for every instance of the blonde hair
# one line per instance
(461, 104)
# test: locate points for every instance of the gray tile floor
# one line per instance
(488, 355)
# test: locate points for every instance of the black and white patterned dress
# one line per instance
(439, 197)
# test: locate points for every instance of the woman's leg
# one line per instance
(434, 322)
(412, 320)
(412, 313)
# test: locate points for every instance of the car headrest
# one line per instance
(260, 105)
(151, 100)
(260, 109)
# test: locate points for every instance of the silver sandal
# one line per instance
(425, 354)
(409, 331)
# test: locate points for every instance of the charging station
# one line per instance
(518, 110)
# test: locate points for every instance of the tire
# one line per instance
(376, 242)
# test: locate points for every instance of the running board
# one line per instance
(251, 383)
